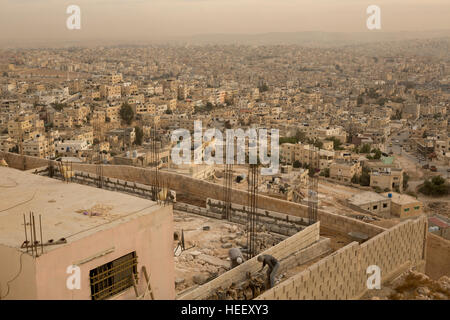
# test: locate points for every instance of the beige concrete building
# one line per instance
(111, 237)
(115, 78)
(20, 128)
(37, 147)
(112, 113)
(144, 108)
(6, 143)
(61, 120)
(344, 170)
(391, 179)
(287, 153)
(373, 202)
(110, 92)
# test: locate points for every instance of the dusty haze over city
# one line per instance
(42, 22)
(224, 150)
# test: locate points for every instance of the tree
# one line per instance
(209, 106)
(365, 148)
(405, 180)
(437, 186)
(360, 100)
(373, 94)
(300, 136)
(297, 164)
(316, 143)
(398, 100)
(355, 179)
(364, 179)
(139, 136)
(126, 113)
(381, 101)
(397, 116)
(14, 149)
(336, 143)
(292, 140)
(263, 88)
(325, 172)
(59, 106)
(377, 154)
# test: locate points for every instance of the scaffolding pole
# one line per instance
(252, 208)
(227, 188)
(313, 183)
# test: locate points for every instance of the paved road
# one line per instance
(398, 148)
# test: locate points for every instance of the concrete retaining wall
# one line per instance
(438, 256)
(185, 184)
(342, 275)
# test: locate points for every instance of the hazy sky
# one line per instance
(159, 19)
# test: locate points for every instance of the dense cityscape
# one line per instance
(87, 156)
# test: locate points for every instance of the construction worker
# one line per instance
(236, 257)
(273, 264)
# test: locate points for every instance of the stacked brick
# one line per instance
(342, 275)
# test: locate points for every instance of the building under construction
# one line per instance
(323, 256)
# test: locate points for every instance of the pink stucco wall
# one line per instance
(151, 236)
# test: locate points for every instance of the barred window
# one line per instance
(113, 277)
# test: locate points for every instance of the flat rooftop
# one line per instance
(401, 198)
(366, 197)
(68, 210)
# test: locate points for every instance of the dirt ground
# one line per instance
(436, 205)
(412, 168)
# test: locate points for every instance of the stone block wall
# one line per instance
(342, 275)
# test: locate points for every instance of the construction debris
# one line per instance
(247, 290)
(210, 254)
(98, 210)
